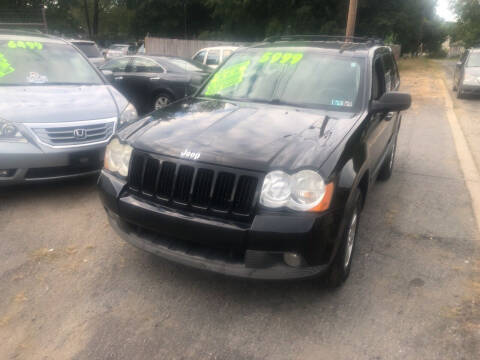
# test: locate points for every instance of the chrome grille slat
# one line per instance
(64, 134)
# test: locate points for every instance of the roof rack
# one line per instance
(326, 38)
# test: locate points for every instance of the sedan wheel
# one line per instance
(161, 101)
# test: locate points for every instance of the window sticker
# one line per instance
(27, 45)
(5, 67)
(227, 77)
(36, 78)
(338, 102)
(281, 58)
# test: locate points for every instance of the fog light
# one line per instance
(292, 259)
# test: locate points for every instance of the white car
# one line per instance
(214, 56)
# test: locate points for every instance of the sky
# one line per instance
(443, 10)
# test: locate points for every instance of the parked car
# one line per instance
(116, 50)
(90, 49)
(265, 171)
(57, 111)
(213, 56)
(466, 78)
(152, 82)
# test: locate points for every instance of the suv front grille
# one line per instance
(215, 191)
(65, 134)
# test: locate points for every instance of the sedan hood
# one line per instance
(244, 135)
(27, 104)
(473, 71)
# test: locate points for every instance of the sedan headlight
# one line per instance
(9, 132)
(128, 115)
(117, 157)
(302, 191)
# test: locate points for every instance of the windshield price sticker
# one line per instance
(281, 58)
(227, 77)
(19, 44)
(5, 67)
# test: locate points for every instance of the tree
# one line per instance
(468, 26)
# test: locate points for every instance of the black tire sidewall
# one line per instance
(338, 273)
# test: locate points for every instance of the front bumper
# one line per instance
(27, 162)
(251, 250)
(471, 89)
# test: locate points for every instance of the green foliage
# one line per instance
(408, 22)
(468, 27)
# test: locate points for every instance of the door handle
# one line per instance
(118, 77)
(155, 78)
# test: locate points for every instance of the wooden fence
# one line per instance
(183, 48)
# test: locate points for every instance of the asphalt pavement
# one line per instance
(71, 289)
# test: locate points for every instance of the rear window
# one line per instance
(90, 50)
(24, 62)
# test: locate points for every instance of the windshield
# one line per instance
(188, 65)
(90, 50)
(292, 76)
(474, 60)
(33, 63)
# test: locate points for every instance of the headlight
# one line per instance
(9, 132)
(302, 191)
(276, 189)
(470, 80)
(117, 157)
(128, 115)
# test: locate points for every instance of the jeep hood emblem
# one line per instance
(186, 154)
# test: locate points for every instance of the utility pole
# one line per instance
(352, 18)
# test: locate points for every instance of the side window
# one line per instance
(213, 57)
(391, 74)
(142, 65)
(378, 81)
(200, 56)
(464, 57)
(117, 65)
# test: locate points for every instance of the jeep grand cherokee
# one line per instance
(264, 172)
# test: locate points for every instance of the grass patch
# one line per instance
(420, 63)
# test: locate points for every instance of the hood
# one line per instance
(249, 136)
(27, 104)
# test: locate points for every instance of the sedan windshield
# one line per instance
(291, 76)
(34, 63)
(89, 49)
(474, 60)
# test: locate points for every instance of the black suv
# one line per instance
(264, 172)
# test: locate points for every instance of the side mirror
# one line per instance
(108, 75)
(392, 101)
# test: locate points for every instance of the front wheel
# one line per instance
(460, 93)
(342, 263)
(161, 100)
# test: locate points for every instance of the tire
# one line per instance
(161, 100)
(460, 93)
(388, 164)
(342, 263)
